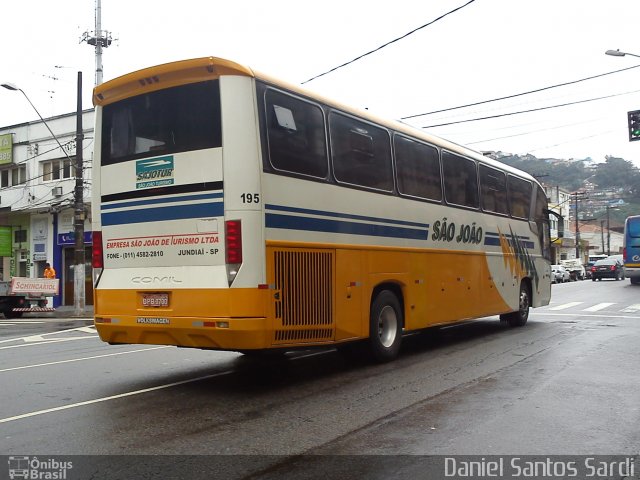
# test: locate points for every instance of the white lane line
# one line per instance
(578, 314)
(632, 308)
(23, 322)
(81, 359)
(566, 305)
(112, 397)
(35, 343)
(78, 329)
(598, 307)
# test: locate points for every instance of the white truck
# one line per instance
(23, 295)
(575, 268)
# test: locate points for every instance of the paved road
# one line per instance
(567, 383)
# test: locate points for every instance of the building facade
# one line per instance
(37, 181)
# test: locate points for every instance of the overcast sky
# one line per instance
(486, 50)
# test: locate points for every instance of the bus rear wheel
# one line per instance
(385, 327)
(519, 318)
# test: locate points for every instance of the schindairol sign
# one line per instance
(154, 172)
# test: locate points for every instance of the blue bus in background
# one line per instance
(632, 248)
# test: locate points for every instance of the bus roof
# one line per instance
(201, 69)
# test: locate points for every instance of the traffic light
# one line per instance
(634, 125)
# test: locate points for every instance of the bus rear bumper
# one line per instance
(209, 333)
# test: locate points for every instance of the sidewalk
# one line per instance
(64, 311)
(69, 311)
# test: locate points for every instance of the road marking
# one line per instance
(46, 342)
(112, 397)
(578, 314)
(19, 322)
(598, 307)
(566, 305)
(632, 308)
(77, 329)
(81, 359)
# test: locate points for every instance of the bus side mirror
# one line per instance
(560, 222)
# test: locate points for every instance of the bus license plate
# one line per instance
(155, 299)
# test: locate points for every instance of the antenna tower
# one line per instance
(99, 39)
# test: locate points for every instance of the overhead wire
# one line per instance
(506, 97)
(388, 43)
(531, 110)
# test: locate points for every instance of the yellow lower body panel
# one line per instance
(237, 334)
(236, 319)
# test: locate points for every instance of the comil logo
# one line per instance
(154, 172)
(38, 469)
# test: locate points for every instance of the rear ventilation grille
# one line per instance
(313, 335)
(304, 308)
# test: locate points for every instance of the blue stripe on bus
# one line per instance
(307, 211)
(153, 201)
(493, 239)
(292, 222)
(521, 237)
(176, 212)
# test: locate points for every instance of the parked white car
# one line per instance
(560, 274)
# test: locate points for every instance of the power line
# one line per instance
(531, 110)
(388, 43)
(520, 94)
(529, 132)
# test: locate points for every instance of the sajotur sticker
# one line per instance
(154, 172)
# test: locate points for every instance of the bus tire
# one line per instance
(385, 326)
(520, 317)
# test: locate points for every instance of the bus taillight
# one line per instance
(233, 247)
(96, 251)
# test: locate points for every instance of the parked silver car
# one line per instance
(559, 274)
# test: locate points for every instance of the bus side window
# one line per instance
(519, 197)
(493, 190)
(296, 135)
(460, 180)
(418, 169)
(361, 153)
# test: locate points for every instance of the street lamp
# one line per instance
(618, 53)
(78, 272)
(13, 88)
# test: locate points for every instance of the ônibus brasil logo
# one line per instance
(38, 469)
(154, 172)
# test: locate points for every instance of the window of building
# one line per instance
(296, 135)
(56, 170)
(13, 176)
(493, 190)
(361, 153)
(418, 169)
(460, 180)
(20, 236)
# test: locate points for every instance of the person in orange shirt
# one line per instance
(49, 271)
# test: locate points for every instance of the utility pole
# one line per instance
(609, 230)
(602, 233)
(577, 228)
(78, 217)
(575, 196)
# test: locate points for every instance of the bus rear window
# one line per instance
(178, 119)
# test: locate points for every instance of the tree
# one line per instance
(617, 173)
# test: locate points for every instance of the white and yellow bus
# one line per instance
(234, 211)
